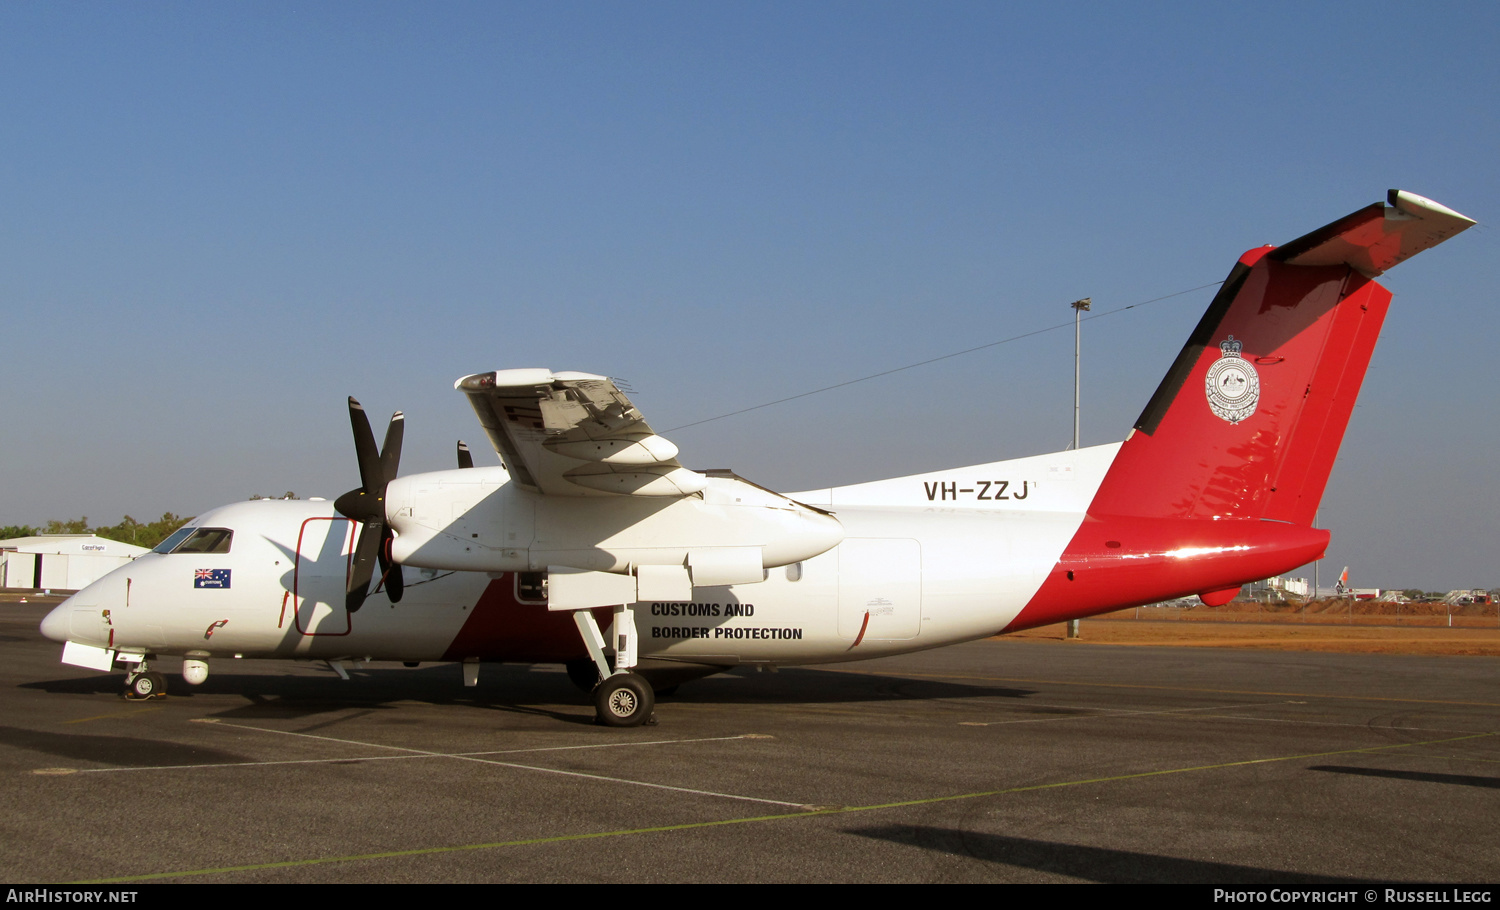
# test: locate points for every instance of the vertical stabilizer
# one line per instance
(1249, 419)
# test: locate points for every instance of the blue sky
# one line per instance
(222, 219)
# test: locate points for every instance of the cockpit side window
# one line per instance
(170, 544)
(202, 540)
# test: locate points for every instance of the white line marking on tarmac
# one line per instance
(464, 756)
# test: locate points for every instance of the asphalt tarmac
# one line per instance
(996, 761)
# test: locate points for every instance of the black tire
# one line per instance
(583, 674)
(147, 685)
(624, 700)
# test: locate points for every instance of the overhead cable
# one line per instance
(923, 363)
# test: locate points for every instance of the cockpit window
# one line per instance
(170, 544)
(197, 540)
(207, 540)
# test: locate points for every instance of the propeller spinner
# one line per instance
(366, 504)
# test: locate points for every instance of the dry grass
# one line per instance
(1416, 629)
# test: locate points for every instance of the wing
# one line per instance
(574, 434)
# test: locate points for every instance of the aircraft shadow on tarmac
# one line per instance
(1095, 864)
(534, 690)
(1463, 780)
(118, 751)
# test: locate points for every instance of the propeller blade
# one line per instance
(390, 572)
(366, 504)
(465, 459)
(363, 567)
(390, 453)
(371, 478)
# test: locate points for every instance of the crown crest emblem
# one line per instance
(1232, 386)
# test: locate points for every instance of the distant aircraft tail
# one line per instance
(1248, 420)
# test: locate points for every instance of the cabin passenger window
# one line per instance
(207, 540)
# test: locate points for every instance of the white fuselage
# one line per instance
(925, 561)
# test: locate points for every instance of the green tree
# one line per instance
(140, 533)
(159, 530)
(129, 530)
(75, 526)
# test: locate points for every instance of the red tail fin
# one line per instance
(1249, 419)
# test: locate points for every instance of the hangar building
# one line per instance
(65, 561)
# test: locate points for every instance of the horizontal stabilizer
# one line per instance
(1377, 237)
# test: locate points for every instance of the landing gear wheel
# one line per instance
(624, 700)
(583, 674)
(150, 684)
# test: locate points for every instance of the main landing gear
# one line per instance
(142, 683)
(621, 698)
(625, 700)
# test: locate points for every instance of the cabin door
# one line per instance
(325, 549)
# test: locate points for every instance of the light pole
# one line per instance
(1079, 306)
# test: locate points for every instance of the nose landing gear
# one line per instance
(142, 683)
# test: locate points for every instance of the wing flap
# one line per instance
(574, 434)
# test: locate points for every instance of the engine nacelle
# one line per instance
(476, 520)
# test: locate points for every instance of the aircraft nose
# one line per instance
(55, 624)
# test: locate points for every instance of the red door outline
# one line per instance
(348, 554)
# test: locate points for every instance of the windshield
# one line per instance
(171, 543)
(197, 540)
(207, 540)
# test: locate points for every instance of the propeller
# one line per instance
(465, 457)
(366, 504)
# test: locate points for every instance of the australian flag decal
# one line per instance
(211, 578)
